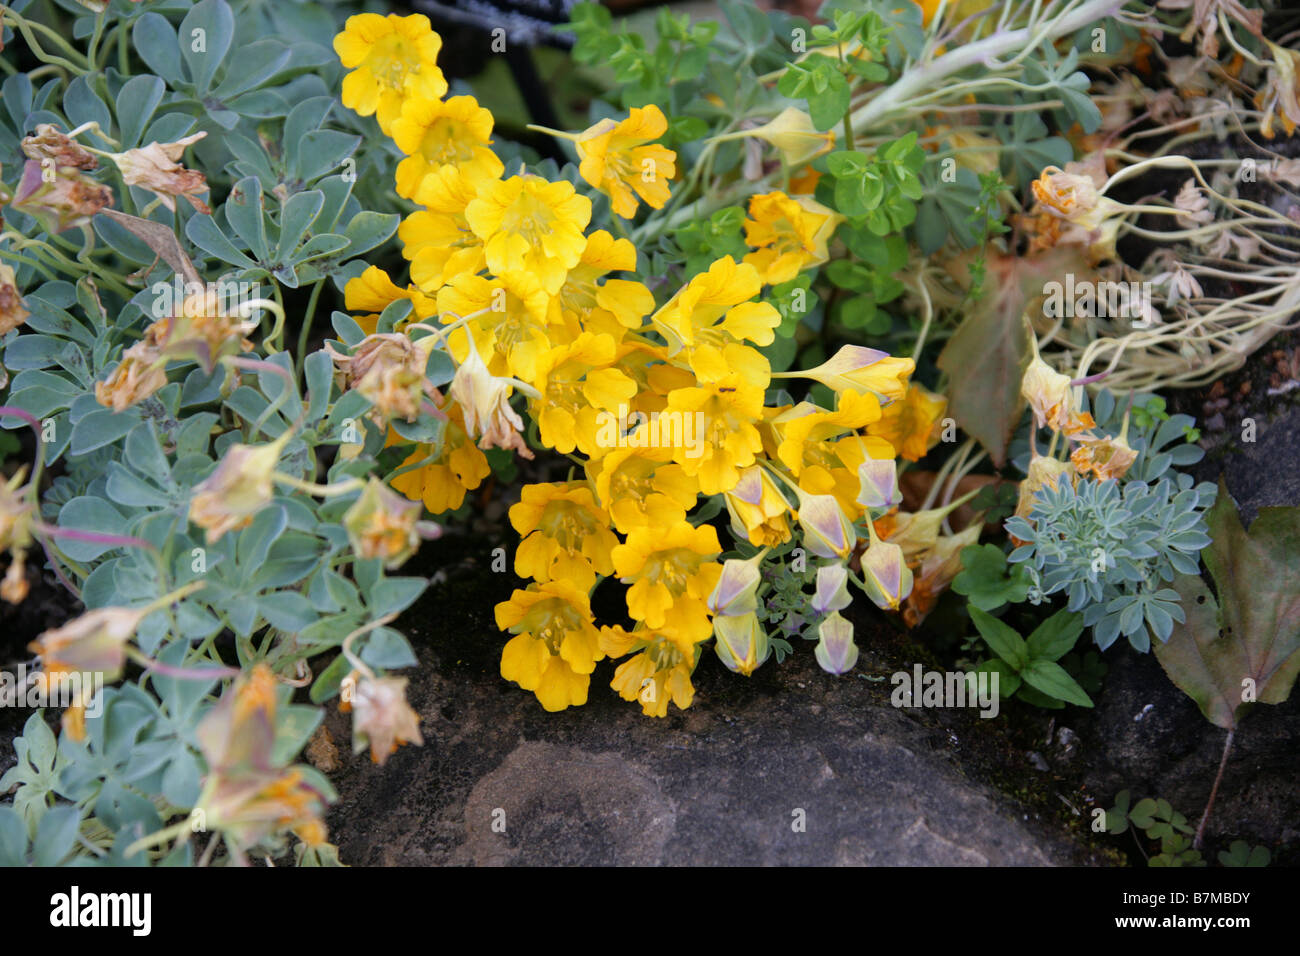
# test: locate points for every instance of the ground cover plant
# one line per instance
(881, 304)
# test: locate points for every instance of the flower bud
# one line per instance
(835, 651)
(758, 509)
(885, 573)
(827, 531)
(735, 594)
(794, 136)
(741, 643)
(879, 483)
(860, 369)
(832, 589)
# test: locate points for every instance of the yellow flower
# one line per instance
(441, 482)
(613, 306)
(392, 59)
(615, 160)
(642, 487)
(912, 424)
(758, 509)
(512, 312)
(659, 674)
(728, 410)
(374, 291)
(529, 224)
(555, 647)
(714, 309)
(437, 133)
(437, 239)
(565, 534)
(789, 234)
(806, 424)
(576, 383)
(672, 573)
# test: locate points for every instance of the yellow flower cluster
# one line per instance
(663, 402)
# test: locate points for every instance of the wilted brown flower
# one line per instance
(137, 376)
(240, 487)
(383, 524)
(72, 199)
(12, 312)
(202, 330)
(388, 369)
(50, 143)
(381, 716)
(157, 168)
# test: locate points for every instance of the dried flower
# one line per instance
(71, 199)
(239, 487)
(157, 168)
(388, 369)
(48, 142)
(383, 524)
(12, 312)
(381, 717)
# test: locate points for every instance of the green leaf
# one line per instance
(1001, 639)
(1244, 643)
(56, 836)
(136, 102)
(155, 42)
(1055, 637)
(246, 214)
(985, 581)
(1053, 681)
(205, 37)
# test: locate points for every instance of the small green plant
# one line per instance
(1112, 551)
(1026, 667)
